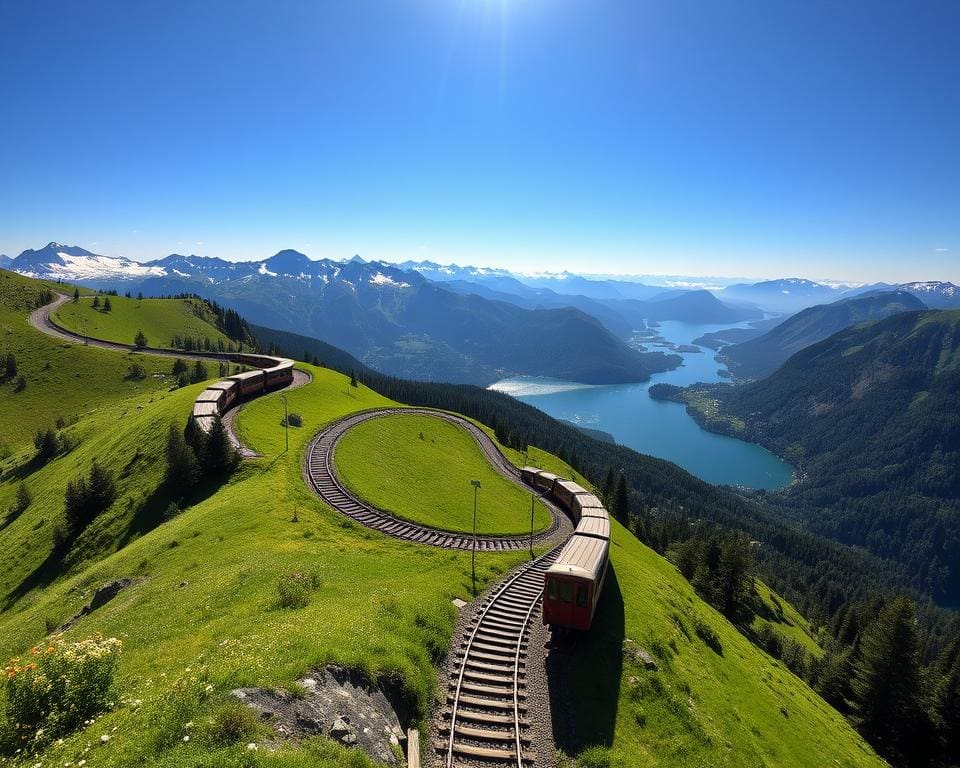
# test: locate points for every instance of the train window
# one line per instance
(566, 592)
(552, 589)
(582, 596)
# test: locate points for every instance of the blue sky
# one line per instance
(819, 139)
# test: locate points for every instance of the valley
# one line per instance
(657, 428)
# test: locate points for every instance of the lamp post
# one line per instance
(533, 501)
(286, 423)
(473, 558)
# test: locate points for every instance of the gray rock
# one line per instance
(339, 704)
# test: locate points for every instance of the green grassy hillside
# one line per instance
(159, 319)
(715, 699)
(203, 616)
(61, 379)
(419, 468)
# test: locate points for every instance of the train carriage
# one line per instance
(249, 383)
(564, 491)
(229, 388)
(586, 504)
(205, 409)
(279, 375)
(572, 585)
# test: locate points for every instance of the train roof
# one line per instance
(205, 409)
(548, 475)
(222, 385)
(582, 557)
(246, 376)
(210, 395)
(572, 487)
(588, 500)
(598, 527)
(285, 365)
(600, 512)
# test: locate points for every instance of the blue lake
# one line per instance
(660, 429)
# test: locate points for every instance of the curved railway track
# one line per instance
(485, 721)
(321, 473)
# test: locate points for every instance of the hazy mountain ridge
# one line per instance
(761, 356)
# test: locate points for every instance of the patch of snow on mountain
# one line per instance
(264, 271)
(100, 267)
(382, 279)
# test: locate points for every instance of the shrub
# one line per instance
(140, 340)
(232, 723)
(594, 757)
(19, 384)
(293, 420)
(705, 632)
(294, 588)
(57, 687)
(136, 372)
(47, 444)
(22, 502)
(178, 367)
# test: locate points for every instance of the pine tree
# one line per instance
(140, 340)
(178, 367)
(621, 502)
(96, 302)
(948, 709)
(606, 490)
(102, 488)
(183, 470)
(734, 582)
(199, 372)
(219, 453)
(107, 306)
(76, 295)
(47, 443)
(11, 365)
(886, 683)
(353, 379)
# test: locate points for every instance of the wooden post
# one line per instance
(413, 748)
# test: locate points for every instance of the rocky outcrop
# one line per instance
(337, 703)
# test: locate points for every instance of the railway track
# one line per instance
(485, 721)
(321, 473)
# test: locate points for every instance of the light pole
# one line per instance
(473, 558)
(286, 423)
(533, 501)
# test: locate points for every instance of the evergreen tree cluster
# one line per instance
(87, 497)
(721, 568)
(192, 454)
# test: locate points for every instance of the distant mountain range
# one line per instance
(430, 321)
(869, 417)
(5, 261)
(394, 320)
(761, 356)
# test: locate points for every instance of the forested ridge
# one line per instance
(870, 419)
(889, 657)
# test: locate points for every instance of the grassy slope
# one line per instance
(212, 572)
(702, 707)
(382, 605)
(63, 379)
(428, 480)
(159, 319)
